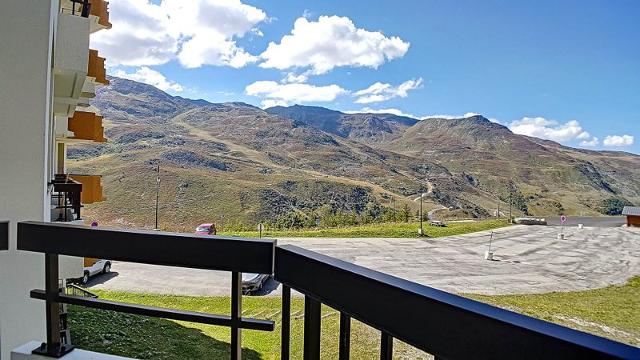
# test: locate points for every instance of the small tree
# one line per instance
(406, 213)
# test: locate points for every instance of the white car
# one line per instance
(93, 267)
(253, 282)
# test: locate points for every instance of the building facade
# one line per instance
(48, 74)
(633, 215)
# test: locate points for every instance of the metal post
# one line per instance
(157, 194)
(236, 313)
(286, 322)
(510, 193)
(386, 347)
(421, 229)
(311, 328)
(53, 347)
(345, 336)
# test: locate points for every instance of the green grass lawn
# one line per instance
(611, 312)
(390, 230)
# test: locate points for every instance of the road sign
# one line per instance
(563, 219)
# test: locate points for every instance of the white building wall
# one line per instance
(26, 35)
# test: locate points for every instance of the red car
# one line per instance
(206, 229)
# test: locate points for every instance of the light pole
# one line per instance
(510, 218)
(157, 194)
(421, 231)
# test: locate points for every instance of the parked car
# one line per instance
(93, 267)
(253, 282)
(530, 221)
(206, 229)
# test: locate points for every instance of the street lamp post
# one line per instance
(510, 217)
(157, 194)
(421, 231)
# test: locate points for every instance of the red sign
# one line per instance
(563, 219)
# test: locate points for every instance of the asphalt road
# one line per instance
(529, 259)
(602, 221)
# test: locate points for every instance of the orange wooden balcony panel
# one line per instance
(96, 67)
(91, 188)
(100, 9)
(87, 126)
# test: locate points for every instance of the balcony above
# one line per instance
(97, 11)
(91, 188)
(86, 126)
(99, 15)
(70, 62)
(96, 70)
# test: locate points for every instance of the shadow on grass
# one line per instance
(143, 337)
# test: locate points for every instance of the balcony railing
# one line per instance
(445, 325)
(96, 67)
(91, 188)
(158, 248)
(86, 126)
(100, 9)
(4, 235)
(80, 7)
(66, 198)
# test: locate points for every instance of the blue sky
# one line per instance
(563, 70)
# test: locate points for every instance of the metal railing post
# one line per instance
(345, 336)
(386, 346)
(4, 235)
(236, 314)
(286, 323)
(53, 347)
(312, 309)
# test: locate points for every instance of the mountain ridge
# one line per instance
(261, 165)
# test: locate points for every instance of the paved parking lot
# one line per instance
(529, 259)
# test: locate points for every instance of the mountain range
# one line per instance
(236, 163)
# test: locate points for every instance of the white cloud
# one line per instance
(196, 32)
(152, 77)
(293, 78)
(590, 143)
(618, 140)
(369, 110)
(382, 91)
(549, 129)
(330, 42)
(285, 94)
(139, 35)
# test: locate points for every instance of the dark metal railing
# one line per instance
(84, 7)
(4, 235)
(68, 195)
(73, 289)
(445, 325)
(236, 255)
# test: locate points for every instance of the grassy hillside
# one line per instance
(237, 165)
